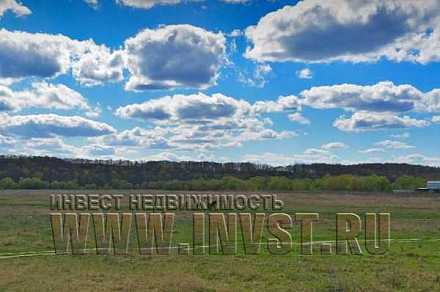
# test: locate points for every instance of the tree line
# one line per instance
(372, 183)
(54, 173)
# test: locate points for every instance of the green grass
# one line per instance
(408, 266)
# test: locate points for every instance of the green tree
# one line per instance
(407, 182)
(32, 183)
(7, 183)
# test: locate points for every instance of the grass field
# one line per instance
(412, 264)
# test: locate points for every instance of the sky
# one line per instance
(274, 82)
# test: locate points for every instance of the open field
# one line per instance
(412, 264)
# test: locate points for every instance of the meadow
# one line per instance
(27, 262)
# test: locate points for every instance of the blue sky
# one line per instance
(276, 82)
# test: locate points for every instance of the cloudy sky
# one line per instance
(276, 82)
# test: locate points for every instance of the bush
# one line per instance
(32, 183)
(7, 183)
(409, 183)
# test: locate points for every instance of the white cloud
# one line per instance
(56, 96)
(174, 56)
(167, 156)
(320, 157)
(307, 157)
(258, 79)
(57, 146)
(155, 138)
(264, 68)
(52, 125)
(146, 4)
(142, 4)
(236, 1)
(98, 66)
(299, 118)
(380, 97)
(356, 31)
(200, 120)
(195, 107)
(372, 151)
(15, 7)
(92, 3)
(365, 121)
(430, 101)
(24, 54)
(334, 146)
(305, 73)
(203, 108)
(40, 55)
(401, 136)
(390, 144)
(314, 151)
(47, 147)
(99, 151)
(284, 103)
(436, 119)
(43, 95)
(47, 96)
(191, 137)
(419, 159)
(376, 106)
(235, 33)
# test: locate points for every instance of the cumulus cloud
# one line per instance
(43, 95)
(299, 118)
(312, 156)
(52, 125)
(40, 55)
(436, 119)
(147, 138)
(195, 107)
(15, 7)
(174, 56)
(305, 73)
(200, 120)
(190, 137)
(419, 159)
(377, 106)
(317, 31)
(430, 101)
(47, 147)
(24, 54)
(98, 66)
(380, 97)
(334, 146)
(366, 121)
(166, 57)
(390, 144)
(203, 108)
(283, 104)
(57, 146)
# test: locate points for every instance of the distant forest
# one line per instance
(49, 172)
